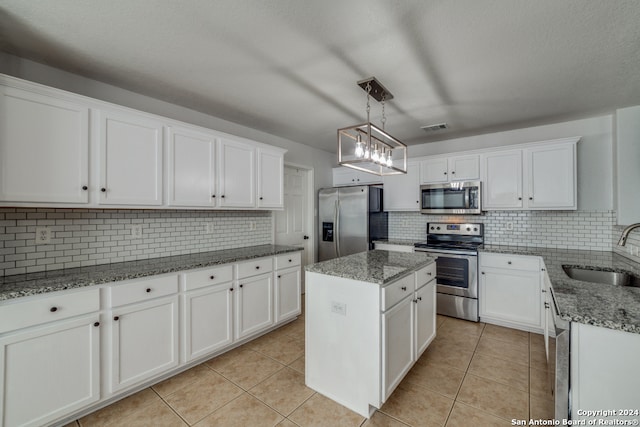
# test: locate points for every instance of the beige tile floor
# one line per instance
(471, 375)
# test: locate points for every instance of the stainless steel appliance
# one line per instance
(456, 246)
(451, 198)
(561, 385)
(349, 219)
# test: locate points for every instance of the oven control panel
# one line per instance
(466, 229)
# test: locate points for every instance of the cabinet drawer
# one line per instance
(143, 290)
(288, 260)
(210, 276)
(515, 262)
(396, 291)
(49, 308)
(254, 267)
(425, 275)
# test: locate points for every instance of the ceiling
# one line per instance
(290, 67)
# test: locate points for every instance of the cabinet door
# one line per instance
(287, 294)
(237, 175)
(270, 180)
(49, 372)
(402, 192)
(434, 170)
(191, 168)
(344, 176)
(425, 300)
(502, 180)
(254, 305)
(44, 148)
(463, 168)
(511, 296)
(551, 177)
(130, 159)
(207, 321)
(144, 341)
(397, 344)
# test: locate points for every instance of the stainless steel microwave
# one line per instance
(451, 198)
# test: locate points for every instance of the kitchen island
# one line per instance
(369, 317)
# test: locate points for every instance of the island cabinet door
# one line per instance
(49, 372)
(425, 302)
(397, 344)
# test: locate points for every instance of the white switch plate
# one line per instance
(136, 231)
(208, 228)
(252, 225)
(43, 235)
(339, 308)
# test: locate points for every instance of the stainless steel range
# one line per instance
(457, 266)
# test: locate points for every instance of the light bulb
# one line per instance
(376, 155)
(366, 152)
(359, 150)
(389, 160)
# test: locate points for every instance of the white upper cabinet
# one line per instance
(131, 159)
(347, 176)
(502, 180)
(551, 175)
(192, 169)
(537, 177)
(446, 169)
(402, 192)
(237, 174)
(44, 148)
(270, 183)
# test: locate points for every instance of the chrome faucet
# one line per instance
(625, 233)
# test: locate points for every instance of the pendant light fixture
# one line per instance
(368, 148)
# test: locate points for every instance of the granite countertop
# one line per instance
(609, 306)
(399, 242)
(376, 266)
(38, 283)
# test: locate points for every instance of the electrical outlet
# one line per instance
(209, 227)
(339, 308)
(136, 231)
(510, 226)
(252, 225)
(43, 235)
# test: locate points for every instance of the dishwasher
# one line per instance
(561, 386)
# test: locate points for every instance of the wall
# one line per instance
(627, 166)
(586, 230)
(84, 237)
(595, 153)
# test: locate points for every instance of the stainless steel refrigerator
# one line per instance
(350, 219)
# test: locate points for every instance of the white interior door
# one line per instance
(294, 223)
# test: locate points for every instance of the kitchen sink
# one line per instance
(602, 275)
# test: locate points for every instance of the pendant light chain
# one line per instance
(368, 89)
(384, 118)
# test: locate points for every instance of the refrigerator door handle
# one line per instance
(336, 232)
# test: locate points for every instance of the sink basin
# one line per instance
(602, 275)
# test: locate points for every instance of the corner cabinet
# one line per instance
(538, 177)
(510, 292)
(402, 192)
(130, 159)
(44, 148)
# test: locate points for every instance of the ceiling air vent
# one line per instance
(434, 128)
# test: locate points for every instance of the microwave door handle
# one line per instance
(467, 203)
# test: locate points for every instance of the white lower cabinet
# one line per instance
(207, 320)
(49, 372)
(63, 353)
(510, 291)
(425, 301)
(398, 353)
(144, 341)
(254, 305)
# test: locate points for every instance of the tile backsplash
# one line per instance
(83, 237)
(586, 230)
(632, 248)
